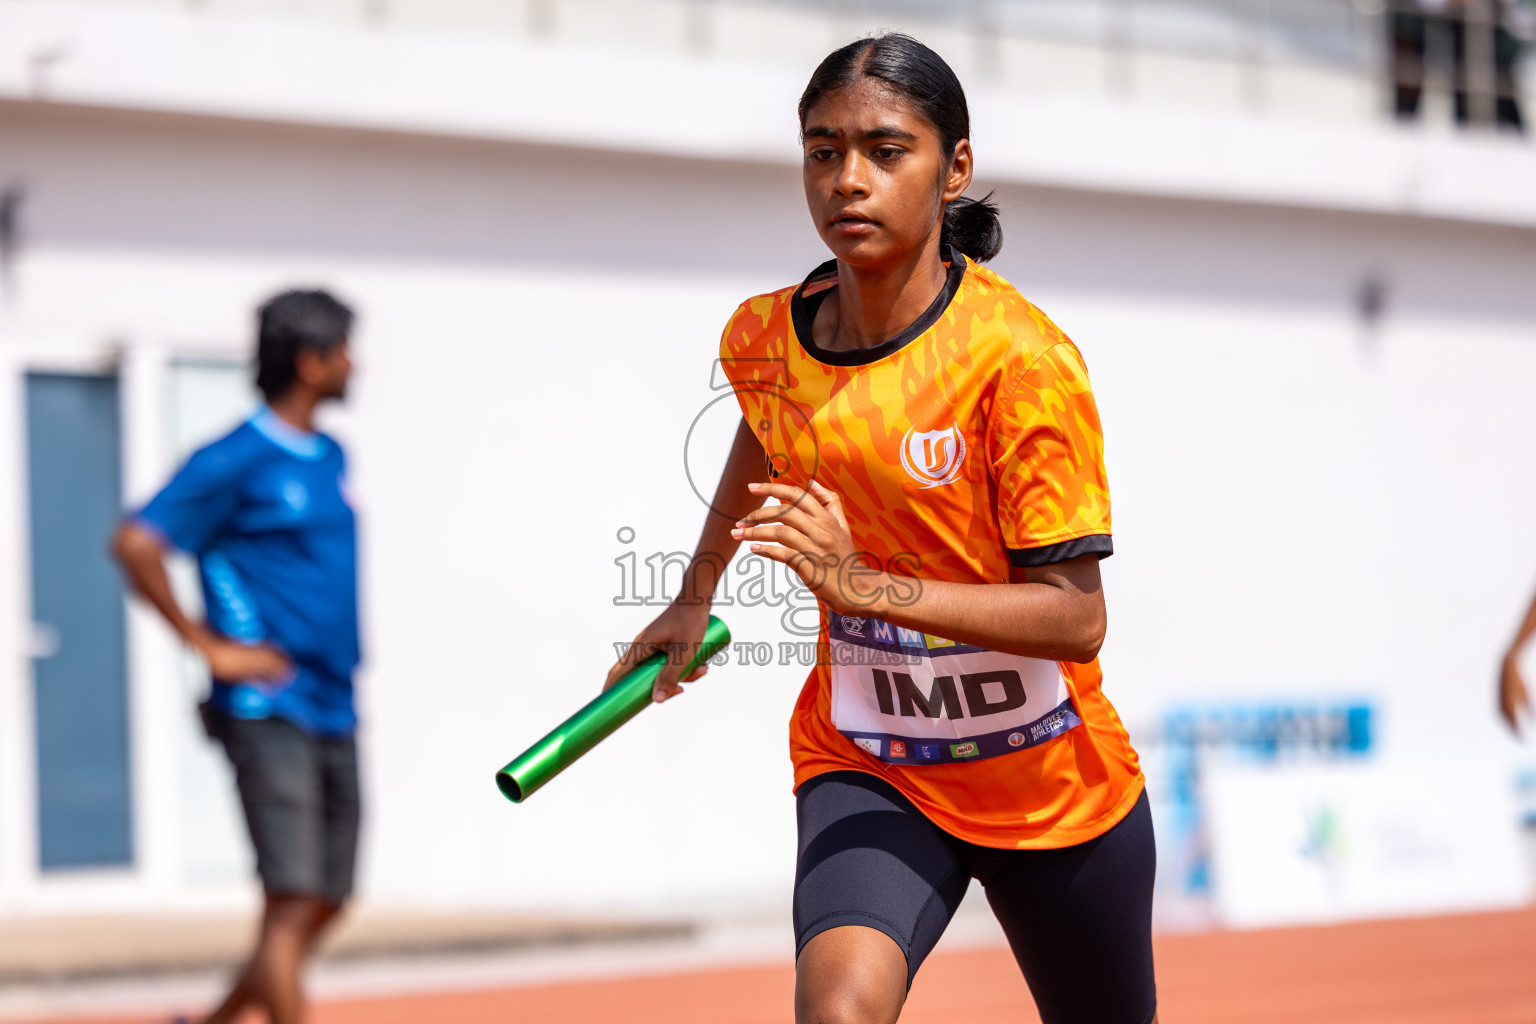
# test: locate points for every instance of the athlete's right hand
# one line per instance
(679, 631)
(1513, 697)
(231, 661)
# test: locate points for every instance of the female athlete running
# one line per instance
(934, 454)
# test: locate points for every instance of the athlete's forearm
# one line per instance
(732, 500)
(1057, 615)
(143, 560)
(1527, 630)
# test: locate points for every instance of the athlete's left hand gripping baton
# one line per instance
(592, 724)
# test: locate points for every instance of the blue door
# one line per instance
(81, 698)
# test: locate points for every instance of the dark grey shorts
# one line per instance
(300, 796)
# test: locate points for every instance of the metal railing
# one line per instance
(1470, 49)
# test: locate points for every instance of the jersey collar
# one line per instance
(299, 443)
(803, 306)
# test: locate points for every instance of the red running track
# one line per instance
(1472, 969)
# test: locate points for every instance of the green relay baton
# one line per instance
(588, 727)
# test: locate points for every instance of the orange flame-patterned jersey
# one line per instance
(968, 444)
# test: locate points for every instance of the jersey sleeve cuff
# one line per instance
(156, 530)
(1100, 544)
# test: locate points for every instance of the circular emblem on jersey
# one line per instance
(1016, 739)
(295, 494)
(933, 457)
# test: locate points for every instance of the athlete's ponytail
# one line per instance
(973, 227)
(930, 85)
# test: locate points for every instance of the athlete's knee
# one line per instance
(324, 913)
(848, 1006)
(290, 916)
(850, 975)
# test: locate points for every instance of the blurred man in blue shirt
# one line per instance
(264, 510)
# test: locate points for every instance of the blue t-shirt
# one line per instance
(264, 511)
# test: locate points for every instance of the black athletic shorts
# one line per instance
(300, 796)
(1078, 918)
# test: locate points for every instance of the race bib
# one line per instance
(910, 698)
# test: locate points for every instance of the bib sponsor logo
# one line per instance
(1049, 725)
(853, 625)
(1016, 739)
(933, 457)
(966, 749)
(868, 745)
(888, 634)
(898, 748)
(928, 751)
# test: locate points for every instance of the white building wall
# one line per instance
(1305, 502)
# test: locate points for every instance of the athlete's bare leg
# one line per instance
(290, 927)
(850, 975)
